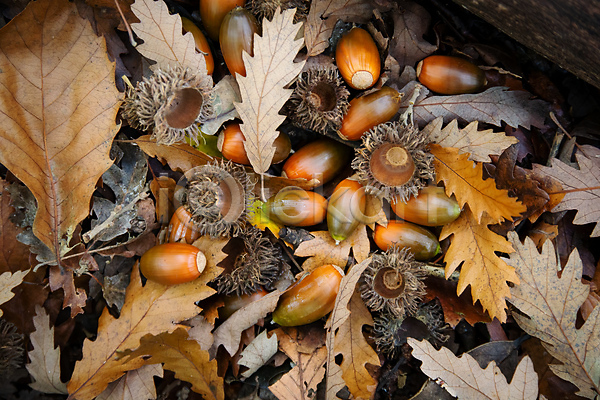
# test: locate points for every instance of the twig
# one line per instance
(129, 32)
(438, 272)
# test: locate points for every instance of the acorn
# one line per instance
(422, 243)
(393, 161)
(231, 144)
(450, 75)
(309, 299)
(368, 111)
(357, 58)
(318, 162)
(172, 263)
(236, 36)
(233, 302)
(432, 207)
(182, 227)
(319, 100)
(212, 13)
(346, 209)
(296, 207)
(202, 45)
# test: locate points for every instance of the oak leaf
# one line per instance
(149, 309)
(57, 113)
(479, 144)
(258, 353)
(465, 379)
(411, 23)
(9, 281)
(323, 249)
(474, 245)
(582, 186)
(494, 106)
(466, 181)
(44, 359)
(134, 385)
(263, 88)
(550, 305)
(322, 17)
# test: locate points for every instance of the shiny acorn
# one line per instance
(368, 111)
(212, 13)
(233, 302)
(450, 75)
(431, 208)
(236, 36)
(309, 299)
(296, 207)
(422, 243)
(346, 208)
(172, 263)
(202, 45)
(182, 227)
(357, 59)
(231, 144)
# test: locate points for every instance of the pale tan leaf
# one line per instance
(411, 23)
(576, 183)
(258, 353)
(57, 113)
(474, 245)
(226, 92)
(134, 385)
(163, 37)
(551, 304)
(9, 281)
(263, 88)
(465, 379)
(323, 16)
(44, 365)
(479, 144)
(494, 106)
(201, 332)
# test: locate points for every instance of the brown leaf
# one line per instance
(492, 106)
(550, 304)
(475, 245)
(74, 297)
(582, 186)
(258, 353)
(263, 88)
(162, 189)
(323, 250)
(323, 16)
(44, 359)
(479, 144)
(58, 109)
(149, 309)
(134, 385)
(541, 232)
(465, 379)
(466, 182)
(411, 23)
(8, 281)
(14, 255)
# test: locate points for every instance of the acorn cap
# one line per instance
(266, 8)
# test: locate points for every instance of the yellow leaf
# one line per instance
(134, 385)
(464, 179)
(260, 219)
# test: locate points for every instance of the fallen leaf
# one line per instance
(494, 106)
(14, 255)
(226, 92)
(67, 77)
(411, 23)
(474, 245)
(134, 385)
(479, 144)
(44, 359)
(323, 250)
(541, 232)
(201, 331)
(582, 186)
(179, 156)
(183, 356)
(263, 89)
(258, 353)
(465, 379)
(260, 219)
(163, 189)
(550, 305)
(322, 17)
(8, 281)
(465, 180)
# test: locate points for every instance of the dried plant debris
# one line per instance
(266, 8)
(11, 348)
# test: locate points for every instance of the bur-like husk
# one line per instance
(266, 8)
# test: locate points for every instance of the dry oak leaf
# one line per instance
(466, 181)
(479, 144)
(494, 106)
(134, 385)
(263, 88)
(463, 377)
(300, 383)
(57, 113)
(323, 250)
(475, 245)
(163, 37)
(407, 45)
(183, 356)
(44, 359)
(149, 309)
(9, 281)
(324, 14)
(258, 353)
(582, 186)
(551, 304)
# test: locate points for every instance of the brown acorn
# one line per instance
(422, 243)
(432, 207)
(236, 36)
(346, 209)
(296, 207)
(450, 75)
(357, 58)
(233, 302)
(182, 227)
(231, 144)
(212, 13)
(172, 263)
(202, 45)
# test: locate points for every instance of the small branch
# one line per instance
(129, 32)
(439, 272)
(575, 190)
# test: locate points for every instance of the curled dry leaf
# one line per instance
(226, 92)
(134, 385)
(258, 353)
(551, 304)
(411, 23)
